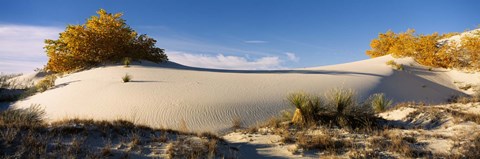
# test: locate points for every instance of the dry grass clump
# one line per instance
(471, 150)
(192, 148)
(11, 89)
(236, 123)
(395, 65)
(465, 116)
(403, 144)
(32, 116)
(426, 118)
(323, 142)
(46, 83)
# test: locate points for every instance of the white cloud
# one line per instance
(221, 61)
(255, 41)
(292, 57)
(21, 46)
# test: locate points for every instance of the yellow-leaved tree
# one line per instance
(102, 39)
(471, 47)
(430, 50)
(382, 45)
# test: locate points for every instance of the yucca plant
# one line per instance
(379, 102)
(307, 106)
(341, 100)
(126, 78)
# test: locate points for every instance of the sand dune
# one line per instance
(162, 95)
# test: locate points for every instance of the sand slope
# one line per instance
(207, 99)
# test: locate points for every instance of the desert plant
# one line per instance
(379, 102)
(307, 107)
(103, 38)
(46, 83)
(236, 123)
(22, 117)
(430, 50)
(325, 142)
(126, 61)
(476, 94)
(394, 65)
(9, 134)
(341, 101)
(126, 78)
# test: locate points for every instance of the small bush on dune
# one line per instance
(6, 82)
(46, 83)
(379, 102)
(22, 117)
(126, 78)
(10, 88)
(395, 65)
(236, 122)
(127, 61)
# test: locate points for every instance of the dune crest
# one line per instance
(162, 95)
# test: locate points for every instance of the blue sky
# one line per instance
(266, 34)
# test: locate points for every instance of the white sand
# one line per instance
(162, 95)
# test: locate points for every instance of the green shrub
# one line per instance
(46, 83)
(341, 101)
(379, 102)
(126, 78)
(339, 107)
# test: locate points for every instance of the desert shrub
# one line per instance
(236, 122)
(341, 101)
(394, 65)
(338, 107)
(382, 45)
(6, 81)
(46, 83)
(476, 94)
(471, 150)
(10, 88)
(307, 107)
(430, 50)
(188, 148)
(22, 117)
(103, 38)
(379, 102)
(470, 46)
(327, 140)
(127, 61)
(126, 78)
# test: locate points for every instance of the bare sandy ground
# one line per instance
(174, 96)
